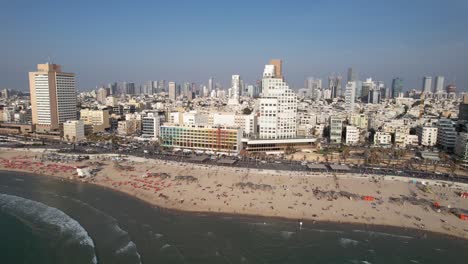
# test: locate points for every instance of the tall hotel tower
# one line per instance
(53, 97)
(278, 105)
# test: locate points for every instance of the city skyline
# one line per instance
(104, 43)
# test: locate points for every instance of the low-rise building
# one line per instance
(336, 129)
(382, 139)
(427, 135)
(216, 139)
(74, 131)
(359, 120)
(352, 135)
(98, 119)
(150, 126)
(129, 127)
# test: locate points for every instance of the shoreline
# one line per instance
(293, 206)
(312, 222)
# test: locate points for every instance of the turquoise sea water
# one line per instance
(45, 220)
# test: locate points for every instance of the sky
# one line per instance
(191, 40)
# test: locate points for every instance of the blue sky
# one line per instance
(188, 40)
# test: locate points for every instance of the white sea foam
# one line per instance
(129, 247)
(36, 213)
(165, 246)
(346, 242)
(374, 233)
(286, 234)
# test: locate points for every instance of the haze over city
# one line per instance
(135, 41)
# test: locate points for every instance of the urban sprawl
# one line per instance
(348, 121)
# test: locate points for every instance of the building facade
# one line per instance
(216, 139)
(278, 107)
(74, 131)
(53, 97)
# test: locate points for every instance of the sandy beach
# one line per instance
(393, 201)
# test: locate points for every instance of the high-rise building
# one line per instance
(172, 91)
(382, 90)
(313, 85)
(236, 85)
(278, 64)
(211, 84)
(351, 75)
(112, 88)
(187, 91)
(427, 84)
(463, 108)
(161, 86)
(334, 84)
(397, 87)
(446, 134)
(439, 84)
(367, 86)
(129, 88)
(53, 96)
(101, 95)
(350, 94)
(278, 106)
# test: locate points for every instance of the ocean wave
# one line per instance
(165, 246)
(120, 239)
(286, 234)
(36, 214)
(346, 242)
(374, 233)
(323, 230)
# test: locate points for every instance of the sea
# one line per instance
(49, 220)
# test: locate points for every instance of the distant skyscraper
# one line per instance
(350, 94)
(236, 85)
(439, 84)
(451, 88)
(211, 84)
(397, 87)
(112, 88)
(351, 75)
(334, 84)
(382, 90)
(161, 86)
(187, 91)
(129, 88)
(235, 89)
(427, 84)
(53, 96)
(172, 91)
(313, 85)
(278, 67)
(101, 95)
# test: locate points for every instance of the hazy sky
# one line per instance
(103, 41)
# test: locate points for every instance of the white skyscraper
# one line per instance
(350, 94)
(235, 90)
(210, 84)
(427, 84)
(278, 107)
(172, 91)
(439, 84)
